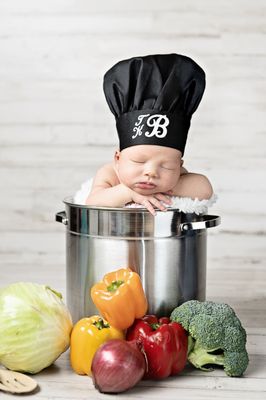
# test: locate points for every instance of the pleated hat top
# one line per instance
(153, 99)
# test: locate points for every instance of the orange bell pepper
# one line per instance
(87, 336)
(120, 298)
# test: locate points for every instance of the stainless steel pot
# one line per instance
(168, 251)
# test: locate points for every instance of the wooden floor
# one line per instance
(237, 278)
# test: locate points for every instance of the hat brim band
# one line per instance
(152, 127)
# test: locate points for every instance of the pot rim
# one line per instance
(131, 222)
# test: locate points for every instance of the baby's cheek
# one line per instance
(171, 178)
(126, 177)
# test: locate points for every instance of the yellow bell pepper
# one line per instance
(120, 298)
(87, 336)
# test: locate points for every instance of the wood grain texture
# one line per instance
(56, 130)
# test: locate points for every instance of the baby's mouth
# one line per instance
(145, 185)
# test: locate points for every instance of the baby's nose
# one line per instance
(150, 171)
(151, 174)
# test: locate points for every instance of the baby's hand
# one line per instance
(152, 201)
(169, 193)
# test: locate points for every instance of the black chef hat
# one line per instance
(153, 99)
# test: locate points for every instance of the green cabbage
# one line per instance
(35, 327)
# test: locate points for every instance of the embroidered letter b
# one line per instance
(159, 124)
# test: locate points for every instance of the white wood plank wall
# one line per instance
(56, 129)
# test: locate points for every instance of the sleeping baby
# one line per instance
(153, 99)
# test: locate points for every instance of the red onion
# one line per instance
(117, 366)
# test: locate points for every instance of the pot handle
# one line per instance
(61, 217)
(209, 221)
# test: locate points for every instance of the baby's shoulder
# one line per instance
(108, 174)
(107, 169)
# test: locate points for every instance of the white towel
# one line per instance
(82, 194)
(183, 204)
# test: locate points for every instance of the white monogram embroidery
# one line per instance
(158, 122)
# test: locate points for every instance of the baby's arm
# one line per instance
(106, 191)
(194, 186)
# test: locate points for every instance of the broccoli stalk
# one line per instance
(198, 356)
(216, 336)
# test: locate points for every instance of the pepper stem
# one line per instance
(100, 324)
(114, 286)
(155, 326)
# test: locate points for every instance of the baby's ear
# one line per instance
(117, 155)
(181, 162)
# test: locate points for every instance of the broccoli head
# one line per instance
(216, 336)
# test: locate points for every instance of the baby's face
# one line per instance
(148, 169)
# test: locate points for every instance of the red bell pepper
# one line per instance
(164, 342)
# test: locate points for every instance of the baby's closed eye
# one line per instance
(169, 166)
(139, 161)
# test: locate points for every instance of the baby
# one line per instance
(147, 175)
(153, 99)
